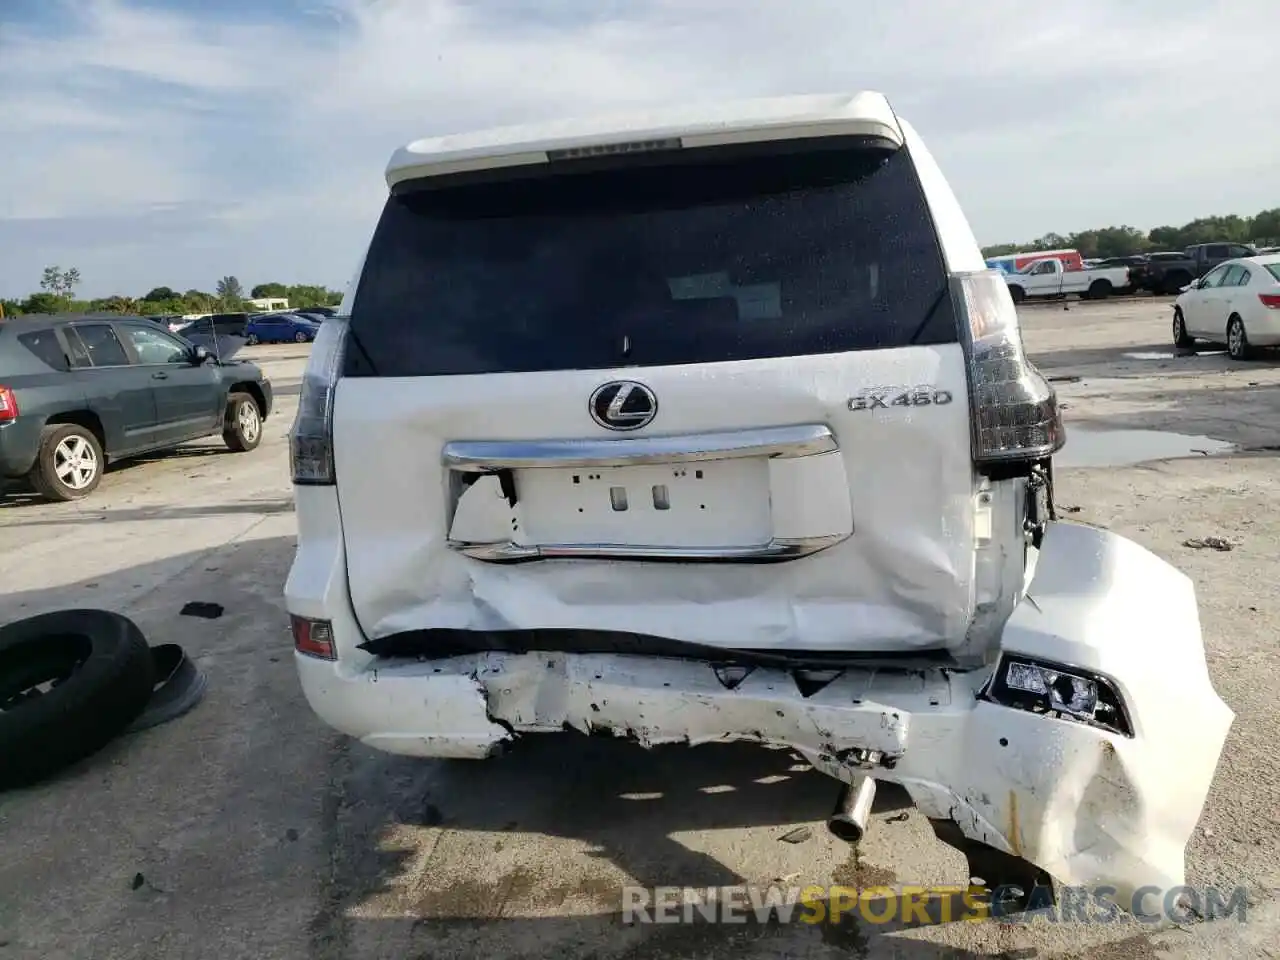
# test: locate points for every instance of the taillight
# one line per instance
(8, 405)
(1270, 300)
(311, 438)
(1015, 413)
(313, 637)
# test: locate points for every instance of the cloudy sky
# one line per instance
(171, 142)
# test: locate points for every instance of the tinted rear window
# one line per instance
(708, 259)
(44, 344)
(1274, 270)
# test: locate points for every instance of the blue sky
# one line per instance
(173, 141)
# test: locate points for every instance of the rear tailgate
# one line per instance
(790, 468)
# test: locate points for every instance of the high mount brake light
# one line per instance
(311, 438)
(1015, 415)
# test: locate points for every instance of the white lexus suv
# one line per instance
(712, 424)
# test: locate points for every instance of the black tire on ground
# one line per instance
(242, 423)
(1180, 338)
(102, 675)
(300, 337)
(1100, 289)
(1018, 294)
(1174, 282)
(251, 339)
(1238, 346)
(55, 441)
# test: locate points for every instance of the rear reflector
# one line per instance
(1015, 410)
(313, 637)
(1270, 300)
(8, 405)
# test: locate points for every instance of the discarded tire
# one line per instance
(70, 682)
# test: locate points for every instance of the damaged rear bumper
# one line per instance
(1092, 806)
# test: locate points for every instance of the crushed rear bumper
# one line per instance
(1091, 806)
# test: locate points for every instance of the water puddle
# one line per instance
(1120, 448)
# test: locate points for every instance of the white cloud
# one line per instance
(209, 143)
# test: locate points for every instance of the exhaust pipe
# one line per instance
(849, 819)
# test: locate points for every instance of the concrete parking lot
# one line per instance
(246, 829)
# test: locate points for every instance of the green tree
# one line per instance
(60, 284)
(160, 294)
(308, 295)
(197, 301)
(10, 308)
(115, 304)
(1266, 227)
(43, 303)
(269, 290)
(1262, 229)
(230, 293)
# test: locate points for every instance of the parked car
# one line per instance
(320, 311)
(281, 328)
(1168, 273)
(1049, 279)
(595, 445)
(1236, 303)
(77, 393)
(222, 334)
(1137, 264)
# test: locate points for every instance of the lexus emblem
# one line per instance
(623, 405)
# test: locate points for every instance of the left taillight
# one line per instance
(311, 439)
(1270, 300)
(8, 405)
(313, 637)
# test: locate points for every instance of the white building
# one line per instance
(269, 304)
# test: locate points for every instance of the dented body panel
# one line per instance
(1089, 806)
(891, 577)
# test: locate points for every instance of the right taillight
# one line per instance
(1270, 300)
(1014, 409)
(8, 405)
(311, 438)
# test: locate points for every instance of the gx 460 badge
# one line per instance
(875, 398)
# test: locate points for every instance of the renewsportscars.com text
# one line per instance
(816, 904)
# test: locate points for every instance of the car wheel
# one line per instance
(1180, 337)
(1238, 347)
(1018, 294)
(251, 339)
(70, 682)
(69, 464)
(242, 426)
(1099, 290)
(300, 337)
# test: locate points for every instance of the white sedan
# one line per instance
(1236, 303)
